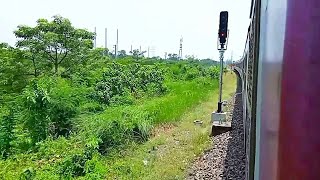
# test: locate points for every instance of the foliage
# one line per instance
(36, 112)
(128, 81)
(49, 104)
(56, 43)
(137, 54)
(67, 106)
(173, 56)
(122, 54)
(28, 174)
(13, 70)
(77, 164)
(7, 125)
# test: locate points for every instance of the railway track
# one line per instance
(226, 158)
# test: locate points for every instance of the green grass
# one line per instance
(183, 96)
(171, 151)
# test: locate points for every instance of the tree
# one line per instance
(137, 54)
(157, 58)
(13, 68)
(173, 56)
(122, 53)
(97, 54)
(191, 58)
(56, 43)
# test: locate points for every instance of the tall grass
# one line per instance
(117, 125)
(112, 129)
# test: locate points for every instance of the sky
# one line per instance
(157, 24)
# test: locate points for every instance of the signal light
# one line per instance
(223, 26)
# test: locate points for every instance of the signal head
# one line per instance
(223, 26)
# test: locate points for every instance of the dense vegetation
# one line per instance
(66, 107)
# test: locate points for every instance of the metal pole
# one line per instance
(117, 47)
(180, 50)
(106, 39)
(117, 39)
(221, 81)
(95, 37)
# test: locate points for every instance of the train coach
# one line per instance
(281, 90)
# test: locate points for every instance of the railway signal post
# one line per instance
(219, 118)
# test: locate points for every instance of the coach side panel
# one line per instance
(272, 33)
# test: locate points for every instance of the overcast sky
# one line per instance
(158, 24)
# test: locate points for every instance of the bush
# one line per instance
(36, 111)
(49, 104)
(214, 72)
(28, 174)
(116, 133)
(64, 104)
(78, 164)
(120, 83)
(7, 125)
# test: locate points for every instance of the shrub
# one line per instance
(7, 125)
(28, 174)
(116, 133)
(214, 72)
(49, 104)
(36, 111)
(78, 164)
(63, 106)
(120, 83)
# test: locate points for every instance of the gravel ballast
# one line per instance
(226, 159)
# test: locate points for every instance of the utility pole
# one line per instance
(231, 55)
(180, 49)
(140, 49)
(95, 37)
(148, 52)
(115, 50)
(117, 47)
(152, 51)
(106, 39)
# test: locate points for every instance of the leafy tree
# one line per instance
(191, 58)
(56, 43)
(13, 69)
(173, 56)
(137, 54)
(96, 54)
(122, 54)
(157, 58)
